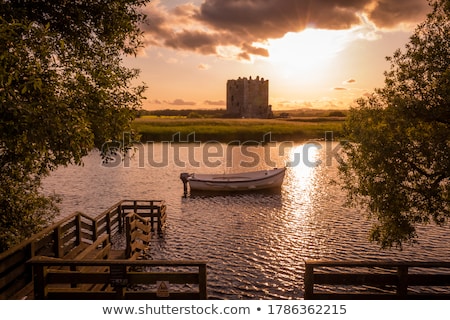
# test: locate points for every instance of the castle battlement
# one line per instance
(248, 98)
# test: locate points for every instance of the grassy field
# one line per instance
(227, 130)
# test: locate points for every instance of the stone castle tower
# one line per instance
(247, 98)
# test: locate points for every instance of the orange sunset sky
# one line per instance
(316, 53)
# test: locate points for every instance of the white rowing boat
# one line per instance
(254, 180)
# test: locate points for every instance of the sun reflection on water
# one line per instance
(300, 180)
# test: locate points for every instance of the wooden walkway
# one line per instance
(118, 279)
(376, 280)
(73, 259)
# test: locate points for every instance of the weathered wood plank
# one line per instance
(66, 237)
(12, 261)
(89, 251)
(379, 264)
(150, 295)
(171, 277)
(355, 279)
(69, 277)
(69, 225)
(396, 276)
(75, 251)
(144, 227)
(138, 246)
(12, 275)
(139, 235)
(80, 295)
(429, 279)
(95, 274)
(43, 245)
(87, 226)
(103, 253)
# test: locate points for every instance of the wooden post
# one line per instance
(94, 230)
(309, 281)
(108, 225)
(73, 284)
(152, 216)
(128, 239)
(402, 286)
(202, 282)
(78, 229)
(58, 243)
(40, 283)
(160, 219)
(120, 217)
(163, 214)
(120, 292)
(31, 254)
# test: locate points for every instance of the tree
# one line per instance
(63, 91)
(398, 161)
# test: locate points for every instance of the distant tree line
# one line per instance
(222, 113)
(187, 113)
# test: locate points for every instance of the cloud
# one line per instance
(391, 13)
(203, 66)
(215, 103)
(181, 102)
(323, 103)
(215, 24)
(340, 89)
(349, 81)
(263, 19)
(199, 41)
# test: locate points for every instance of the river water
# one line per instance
(255, 243)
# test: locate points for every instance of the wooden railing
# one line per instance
(137, 235)
(376, 280)
(65, 238)
(100, 249)
(55, 241)
(119, 279)
(155, 210)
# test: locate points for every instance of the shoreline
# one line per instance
(229, 130)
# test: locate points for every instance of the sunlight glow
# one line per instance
(302, 177)
(306, 51)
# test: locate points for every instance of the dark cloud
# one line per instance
(255, 50)
(340, 89)
(199, 41)
(349, 81)
(389, 13)
(262, 19)
(215, 103)
(181, 102)
(241, 24)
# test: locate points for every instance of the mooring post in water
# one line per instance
(184, 177)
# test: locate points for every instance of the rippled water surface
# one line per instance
(255, 243)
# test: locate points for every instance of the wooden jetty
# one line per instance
(74, 259)
(348, 280)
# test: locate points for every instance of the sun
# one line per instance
(306, 51)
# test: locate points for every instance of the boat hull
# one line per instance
(247, 181)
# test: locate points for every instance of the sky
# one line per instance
(315, 53)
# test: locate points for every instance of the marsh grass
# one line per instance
(227, 130)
